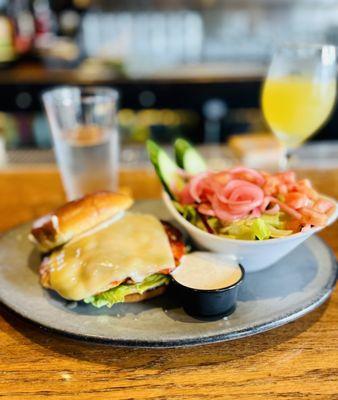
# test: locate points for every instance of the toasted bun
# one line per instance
(149, 294)
(77, 217)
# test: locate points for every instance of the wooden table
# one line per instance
(296, 361)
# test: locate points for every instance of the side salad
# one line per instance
(238, 203)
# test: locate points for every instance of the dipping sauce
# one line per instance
(207, 271)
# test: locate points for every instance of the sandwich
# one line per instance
(94, 250)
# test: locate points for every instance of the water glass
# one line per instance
(84, 128)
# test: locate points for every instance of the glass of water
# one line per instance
(85, 134)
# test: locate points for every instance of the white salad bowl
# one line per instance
(253, 255)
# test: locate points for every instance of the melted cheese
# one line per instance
(134, 246)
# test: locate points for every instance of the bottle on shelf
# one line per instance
(7, 48)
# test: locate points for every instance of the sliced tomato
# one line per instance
(165, 271)
(117, 283)
(176, 242)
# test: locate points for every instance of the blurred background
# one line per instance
(189, 68)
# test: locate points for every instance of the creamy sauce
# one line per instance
(134, 246)
(202, 270)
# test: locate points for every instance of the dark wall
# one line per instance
(190, 96)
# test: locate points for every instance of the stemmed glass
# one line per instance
(299, 93)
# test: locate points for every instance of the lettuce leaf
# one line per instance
(277, 233)
(188, 212)
(262, 228)
(117, 294)
(265, 227)
(239, 230)
(214, 223)
(276, 220)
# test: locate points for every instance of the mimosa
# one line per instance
(296, 106)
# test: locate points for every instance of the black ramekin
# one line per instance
(208, 303)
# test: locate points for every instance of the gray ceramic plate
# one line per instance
(270, 298)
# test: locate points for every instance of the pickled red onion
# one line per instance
(286, 208)
(195, 187)
(258, 177)
(273, 210)
(185, 196)
(222, 212)
(206, 210)
(256, 213)
(253, 193)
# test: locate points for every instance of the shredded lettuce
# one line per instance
(117, 294)
(276, 233)
(260, 229)
(276, 220)
(265, 227)
(188, 212)
(214, 223)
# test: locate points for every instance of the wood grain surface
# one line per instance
(296, 361)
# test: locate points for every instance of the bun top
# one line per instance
(76, 217)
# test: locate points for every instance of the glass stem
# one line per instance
(284, 160)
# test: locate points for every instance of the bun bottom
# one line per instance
(149, 294)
